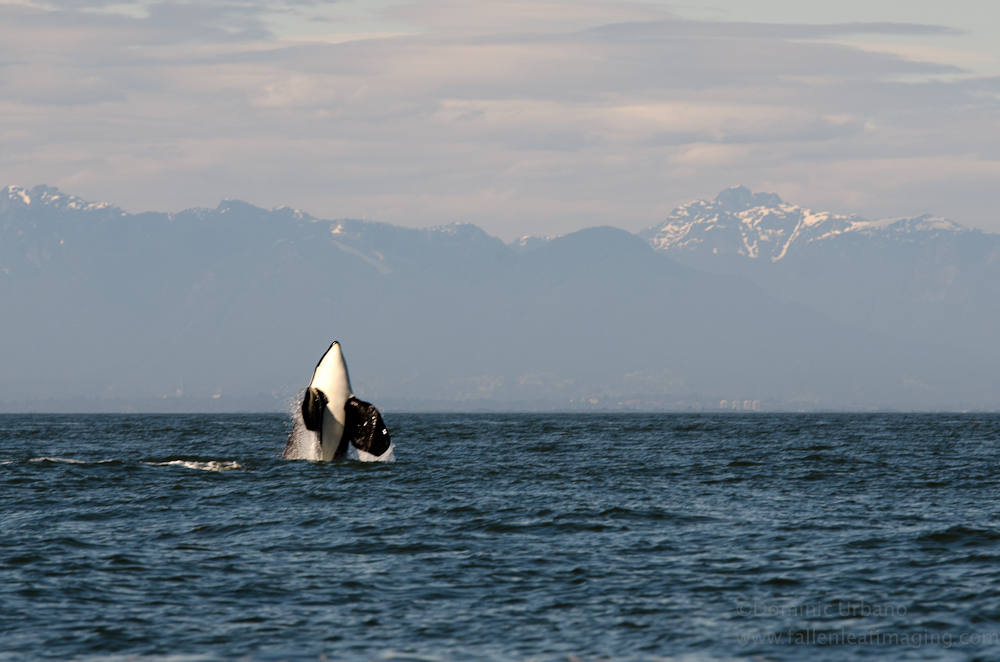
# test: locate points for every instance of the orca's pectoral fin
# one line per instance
(313, 406)
(364, 427)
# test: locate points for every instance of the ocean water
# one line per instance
(503, 537)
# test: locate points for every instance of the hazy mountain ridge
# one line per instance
(239, 301)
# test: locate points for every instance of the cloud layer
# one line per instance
(525, 118)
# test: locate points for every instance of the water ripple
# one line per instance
(500, 537)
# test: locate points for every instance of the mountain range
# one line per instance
(743, 302)
(926, 279)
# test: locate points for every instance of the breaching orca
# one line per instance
(342, 423)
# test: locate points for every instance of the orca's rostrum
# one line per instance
(343, 425)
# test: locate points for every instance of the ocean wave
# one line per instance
(408, 657)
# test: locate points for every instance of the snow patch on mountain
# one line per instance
(529, 243)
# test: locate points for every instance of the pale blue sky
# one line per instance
(522, 117)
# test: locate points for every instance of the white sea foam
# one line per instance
(211, 465)
(363, 456)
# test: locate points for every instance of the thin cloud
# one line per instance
(510, 115)
(686, 29)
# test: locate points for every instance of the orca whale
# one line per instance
(344, 425)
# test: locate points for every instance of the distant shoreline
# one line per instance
(271, 405)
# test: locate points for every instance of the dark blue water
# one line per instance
(503, 537)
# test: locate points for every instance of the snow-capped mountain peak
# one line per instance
(14, 197)
(761, 225)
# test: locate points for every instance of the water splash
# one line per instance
(303, 444)
(362, 456)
